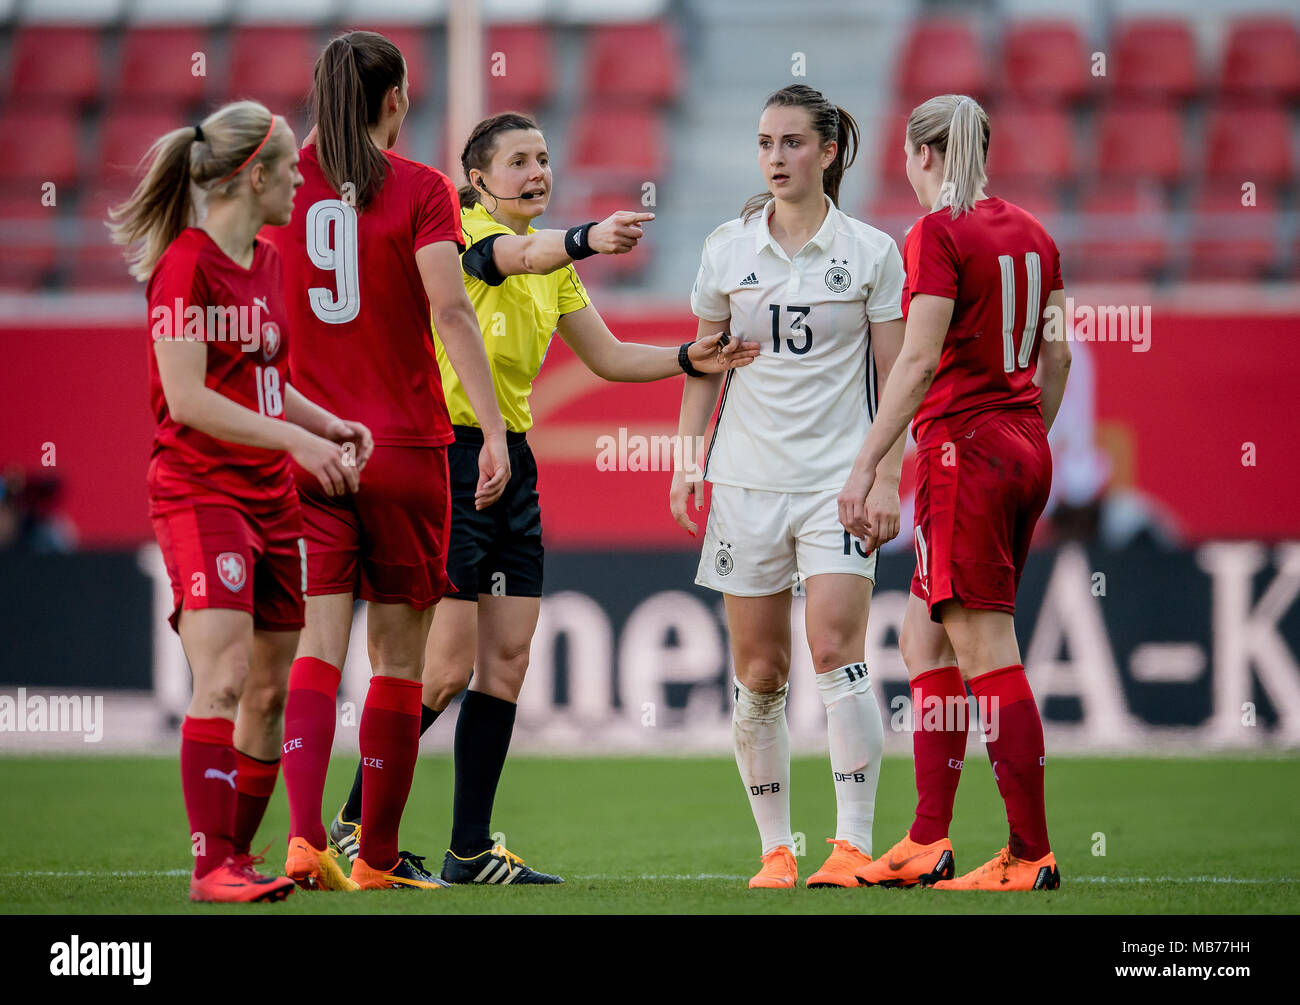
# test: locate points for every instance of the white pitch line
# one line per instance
(1066, 879)
(679, 877)
(84, 873)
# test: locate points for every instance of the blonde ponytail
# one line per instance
(956, 128)
(183, 164)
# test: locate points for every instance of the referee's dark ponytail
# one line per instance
(831, 123)
(352, 76)
(482, 144)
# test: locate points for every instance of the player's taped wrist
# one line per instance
(575, 242)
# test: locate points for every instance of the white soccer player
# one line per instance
(821, 292)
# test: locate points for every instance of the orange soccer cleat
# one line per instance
(842, 868)
(408, 874)
(1006, 872)
(909, 863)
(313, 869)
(779, 871)
(235, 881)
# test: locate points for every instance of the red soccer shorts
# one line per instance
(228, 557)
(388, 542)
(977, 500)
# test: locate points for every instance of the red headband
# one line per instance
(249, 158)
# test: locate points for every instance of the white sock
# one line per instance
(762, 743)
(857, 738)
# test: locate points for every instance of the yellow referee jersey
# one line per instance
(517, 314)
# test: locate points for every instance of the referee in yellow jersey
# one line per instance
(524, 288)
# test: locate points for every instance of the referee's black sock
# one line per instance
(482, 740)
(352, 811)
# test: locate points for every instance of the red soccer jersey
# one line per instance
(196, 292)
(998, 265)
(362, 338)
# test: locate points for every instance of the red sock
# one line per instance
(938, 748)
(390, 741)
(1007, 704)
(208, 781)
(308, 738)
(253, 787)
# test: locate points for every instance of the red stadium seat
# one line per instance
(1031, 142)
(520, 77)
(1038, 196)
(1122, 233)
(56, 63)
(890, 139)
(1139, 140)
(1045, 61)
(272, 64)
(1249, 142)
(1155, 57)
(634, 62)
(1262, 56)
(415, 43)
(893, 208)
(601, 270)
(157, 65)
(626, 143)
(942, 56)
(38, 146)
(125, 137)
(98, 262)
(28, 241)
(1229, 240)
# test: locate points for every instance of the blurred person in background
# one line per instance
(30, 520)
(1085, 504)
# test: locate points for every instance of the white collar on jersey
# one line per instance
(820, 240)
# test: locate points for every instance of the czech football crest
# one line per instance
(232, 570)
(270, 340)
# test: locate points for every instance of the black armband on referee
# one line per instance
(684, 361)
(575, 241)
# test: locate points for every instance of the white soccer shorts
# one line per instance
(758, 543)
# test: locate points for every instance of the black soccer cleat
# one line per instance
(345, 835)
(497, 865)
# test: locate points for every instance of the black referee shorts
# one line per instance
(497, 551)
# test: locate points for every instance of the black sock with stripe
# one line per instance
(352, 811)
(482, 740)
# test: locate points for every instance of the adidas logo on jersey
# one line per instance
(750, 280)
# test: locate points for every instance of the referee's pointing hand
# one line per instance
(618, 233)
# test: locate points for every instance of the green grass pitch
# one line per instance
(674, 835)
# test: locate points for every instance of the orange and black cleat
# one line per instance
(909, 864)
(1006, 872)
(842, 868)
(779, 871)
(313, 869)
(235, 881)
(408, 874)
